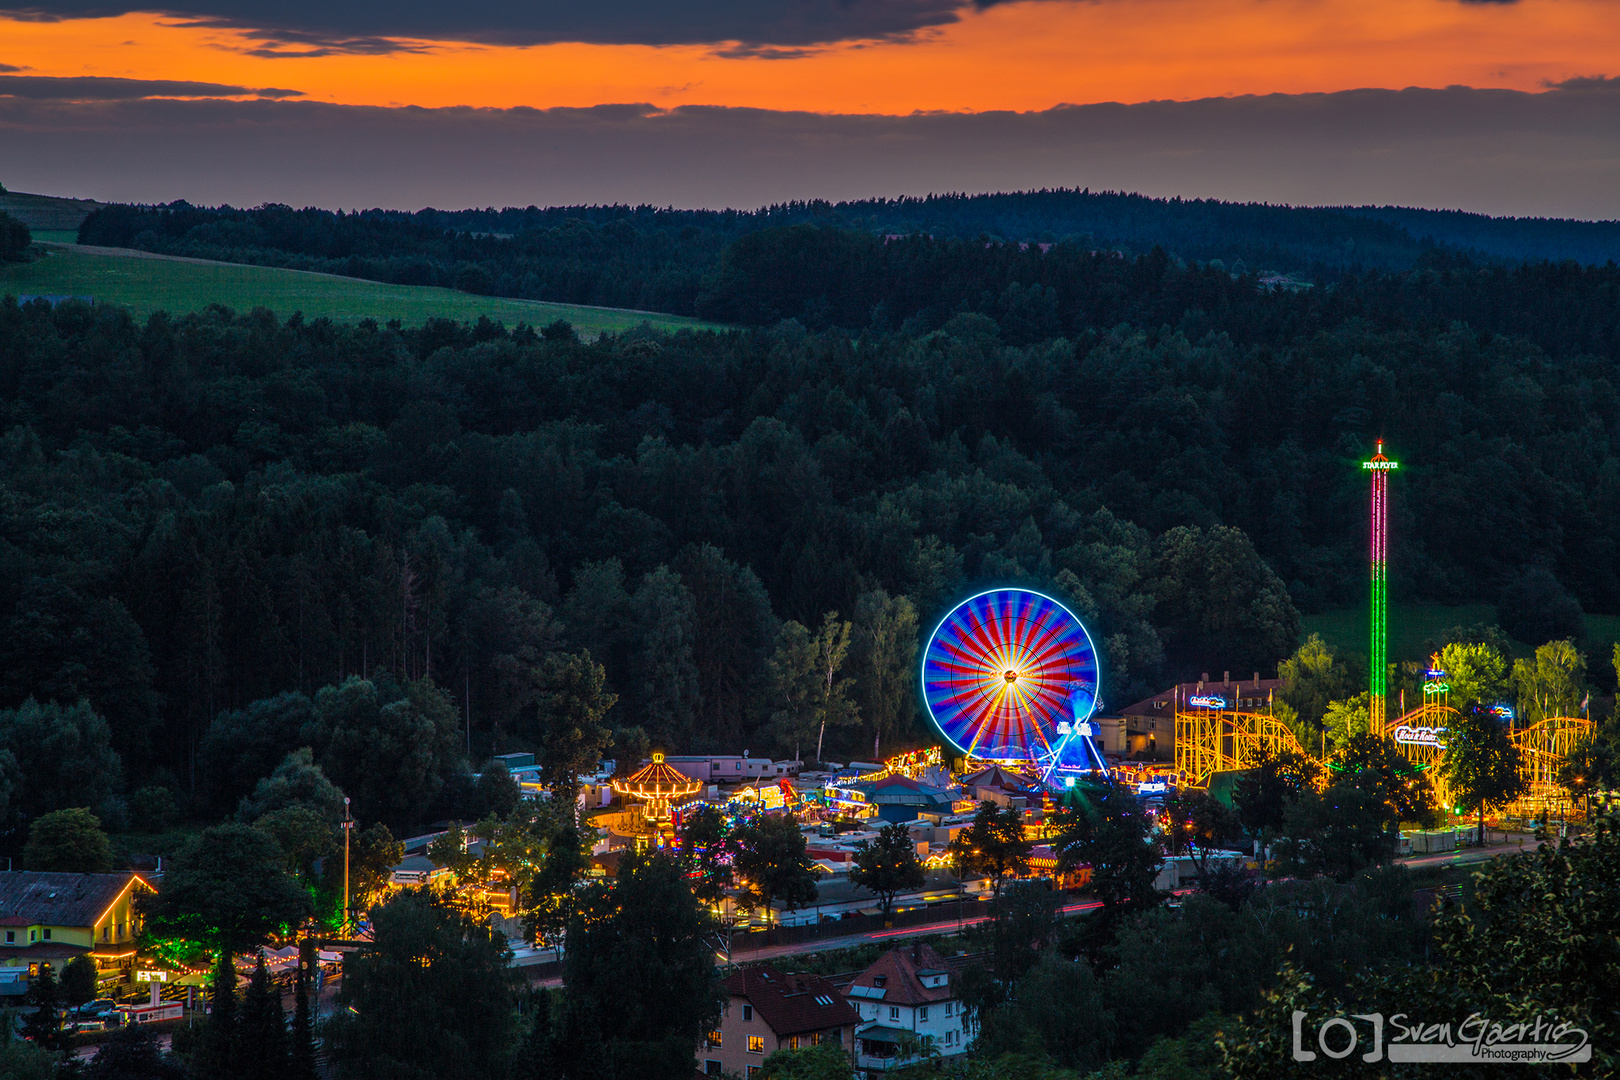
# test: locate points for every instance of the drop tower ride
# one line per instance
(1378, 652)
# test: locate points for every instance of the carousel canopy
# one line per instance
(996, 777)
(657, 781)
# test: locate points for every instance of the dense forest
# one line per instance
(201, 514)
(208, 524)
(663, 259)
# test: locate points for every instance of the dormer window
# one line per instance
(47, 933)
(880, 980)
(11, 937)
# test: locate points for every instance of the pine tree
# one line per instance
(216, 1057)
(261, 1033)
(301, 1053)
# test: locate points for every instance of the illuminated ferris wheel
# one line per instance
(1010, 675)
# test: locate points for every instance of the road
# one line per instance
(1462, 857)
(743, 953)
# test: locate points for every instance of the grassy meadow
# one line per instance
(1412, 625)
(146, 284)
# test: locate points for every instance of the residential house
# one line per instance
(908, 997)
(49, 918)
(766, 1011)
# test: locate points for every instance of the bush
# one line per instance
(153, 808)
(15, 239)
(472, 278)
(68, 841)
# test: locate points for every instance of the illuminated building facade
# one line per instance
(50, 918)
(766, 1011)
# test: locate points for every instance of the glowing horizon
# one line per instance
(1019, 57)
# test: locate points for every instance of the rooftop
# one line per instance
(899, 977)
(1233, 692)
(791, 1004)
(50, 899)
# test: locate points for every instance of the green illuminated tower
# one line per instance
(1378, 654)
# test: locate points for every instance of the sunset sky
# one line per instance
(76, 64)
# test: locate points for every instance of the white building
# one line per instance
(730, 768)
(907, 994)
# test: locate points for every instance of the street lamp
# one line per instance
(348, 824)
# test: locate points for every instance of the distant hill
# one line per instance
(47, 213)
(1590, 242)
(652, 259)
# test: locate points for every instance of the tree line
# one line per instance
(657, 258)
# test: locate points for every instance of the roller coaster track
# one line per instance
(1209, 741)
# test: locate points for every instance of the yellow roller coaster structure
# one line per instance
(1209, 741)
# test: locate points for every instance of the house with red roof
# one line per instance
(908, 996)
(766, 1011)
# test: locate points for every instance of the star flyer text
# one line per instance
(1477, 1040)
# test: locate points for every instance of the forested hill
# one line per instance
(201, 514)
(1591, 242)
(661, 259)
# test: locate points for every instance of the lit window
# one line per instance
(714, 1039)
(756, 1044)
(753, 1070)
(922, 1013)
(793, 1043)
(748, 1012)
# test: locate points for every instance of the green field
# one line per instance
(145, 285)
(1410, 625)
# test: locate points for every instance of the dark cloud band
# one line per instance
(1554, 154)
(95, 88)
(358, 25)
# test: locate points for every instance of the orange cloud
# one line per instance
(1018, 56)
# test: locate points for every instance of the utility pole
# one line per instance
(348, 824)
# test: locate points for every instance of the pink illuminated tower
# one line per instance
(1378, 654)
